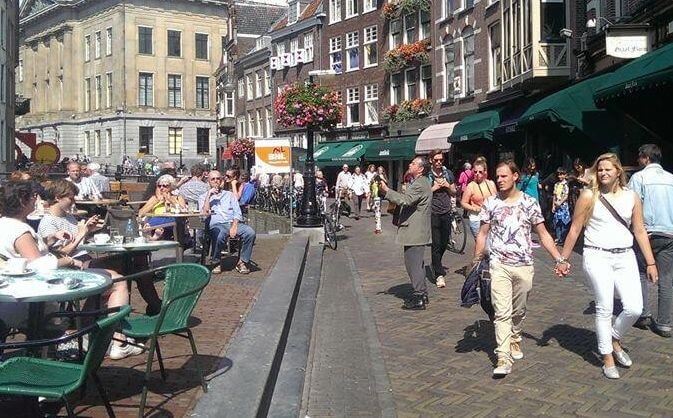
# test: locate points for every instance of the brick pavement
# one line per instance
(220, 311)
(439, 361)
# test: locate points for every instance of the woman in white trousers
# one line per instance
(612, 216)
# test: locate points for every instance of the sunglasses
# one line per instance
(438, 160)
(479, 172)
(163, 185)
(215, 178)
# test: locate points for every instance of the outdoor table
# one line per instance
(132, 247)
(99, 202)
(180, 222)
(34, 290)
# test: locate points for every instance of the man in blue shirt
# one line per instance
(654, 185)
(225, 222)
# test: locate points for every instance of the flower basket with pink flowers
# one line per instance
(241, 147)
(308, 106)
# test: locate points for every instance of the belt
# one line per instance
(610, 250)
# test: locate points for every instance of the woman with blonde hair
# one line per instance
(612, 216)
(476, 193)
(163, 201)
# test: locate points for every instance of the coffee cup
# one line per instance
(101, 238)
(16, 265)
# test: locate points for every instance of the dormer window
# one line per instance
(293, 11)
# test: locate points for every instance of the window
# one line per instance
(174, 90)
(269, 122)
(108, 41)
(146, 139)
(425, 23)
(553, 19)
(251, 125)
(371, 52)
(241, 88)
(396, 93)
(20, 70)
(202, 93)
(267, 83)
(352, 51)
(411, 83)
(292, 11)
(351, 8)
(144, 40)
(174, 141)
(202, 140)
(280, 49)
(240, 133)
(448, 7)
(248, 82)
(371, 104)
(353, 106)
(495, 69)
(370, 5)
(86, 149)
(468, 60)
(395, 33)
(99, 92)
(97, 46)
(258, 85)
(96, 143)
(87, 94)
(258, 123)
(426, 82)
(229, 104)
(410, 27)
(87, 47)
(335, 54)
(334, 11)
(201, 43)
(308, 46)
(449, 67)
(108, 141)
(294, 46)
(174, 43)
(146, 89)
(108, 86)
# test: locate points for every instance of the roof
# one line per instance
(256, 18)
(309, 11)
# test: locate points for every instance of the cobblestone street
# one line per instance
(439, 361)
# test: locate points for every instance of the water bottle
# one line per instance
(129, 232)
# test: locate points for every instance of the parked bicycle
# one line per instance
(457, 237)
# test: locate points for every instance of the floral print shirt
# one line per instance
(509, 239)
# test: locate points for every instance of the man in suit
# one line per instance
(413, 231)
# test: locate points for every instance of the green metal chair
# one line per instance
(183, 286)
(27, 376)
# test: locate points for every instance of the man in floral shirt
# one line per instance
(506, 221)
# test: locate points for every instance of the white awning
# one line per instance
(435, 137)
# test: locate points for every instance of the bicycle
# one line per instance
(329, 231)
(458, 236)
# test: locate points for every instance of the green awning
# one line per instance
(650, 71)
(402, 148)
(320, 149)
(573, 108)
(341, 152)
(476, 126)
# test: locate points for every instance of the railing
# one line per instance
(553, 55)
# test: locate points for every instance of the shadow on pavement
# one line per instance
(400, 291)
(478, 337)
(580, 341)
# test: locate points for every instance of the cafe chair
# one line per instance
(111, 195)
(183, 285)
(34, 377)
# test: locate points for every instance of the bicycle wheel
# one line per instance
(330, 233)
(458, 237)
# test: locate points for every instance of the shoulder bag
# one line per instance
(618, 217)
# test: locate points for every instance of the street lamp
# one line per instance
(309, 216)
(182, 166)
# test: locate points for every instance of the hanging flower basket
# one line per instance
(407, 55)
(307, 106)
(397, 8)
(408, 110)
(242, 147)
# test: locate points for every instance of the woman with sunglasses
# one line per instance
(476, 192)
(163, 201)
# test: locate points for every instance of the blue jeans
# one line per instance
(219, 234)
(662, 247)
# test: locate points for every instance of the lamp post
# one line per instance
(182, 166)
(309, 216)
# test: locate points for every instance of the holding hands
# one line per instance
(562, 268)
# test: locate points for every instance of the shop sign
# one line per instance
(353, 150)
(273, 155)
(384, 153)
(626, 42)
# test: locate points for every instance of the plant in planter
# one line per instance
(307, 106)
(397, 8)
(408, 110)
(407, 55)
(241, 147)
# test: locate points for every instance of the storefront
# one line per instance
(394, 154)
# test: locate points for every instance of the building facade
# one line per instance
(9, 13)
(110, 78)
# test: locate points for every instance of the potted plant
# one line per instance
(305, 105)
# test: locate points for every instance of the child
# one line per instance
(560, 208)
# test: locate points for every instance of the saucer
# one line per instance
(3, 283)
(27, 272)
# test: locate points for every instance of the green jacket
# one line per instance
(414, 226)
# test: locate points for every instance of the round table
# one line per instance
(99, 202)
(34, 290)
(132, 247)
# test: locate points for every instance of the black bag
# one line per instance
(477, 288)
(636, 248)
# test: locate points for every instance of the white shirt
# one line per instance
(12, 229)
(298, 180)
(263, 180)
(343, 180)
(370, 175)
(603, 230)
(359, 184)
(102, 183)
(87, 189)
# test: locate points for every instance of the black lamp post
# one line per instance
(309, 216)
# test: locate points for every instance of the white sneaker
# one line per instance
(503, 368)
(118, 352)
(440, 282)
(515, 350)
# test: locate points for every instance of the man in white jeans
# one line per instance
(507, 219)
